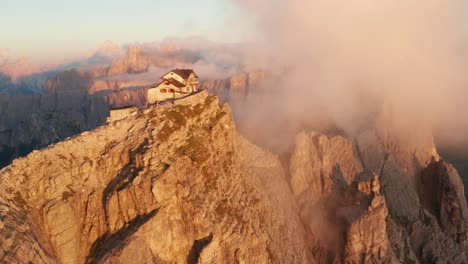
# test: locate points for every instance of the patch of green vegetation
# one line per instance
(179, 115)
(190, 111)
(215, 120)
(176, 115)
(225, 209)
(209, 100)
(165, 132)
(175, 119)
(195, 148)
(198, 109)
(18, 199)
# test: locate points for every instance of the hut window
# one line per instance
(171, 90)
(163, 90)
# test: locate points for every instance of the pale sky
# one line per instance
(58, 29)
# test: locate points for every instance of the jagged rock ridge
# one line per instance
(181, 185)
(163, 186)
(409, 207)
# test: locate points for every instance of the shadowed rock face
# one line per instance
(134, 62)
(383, 201)
(339, 201)
(441, 193)
(64, 109)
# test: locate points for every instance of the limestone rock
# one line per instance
(319, 164)
(366, 236)
(412, 175)
(394, 202)
(66, 108)
(442, 194)
(177, 185)
(134, 62)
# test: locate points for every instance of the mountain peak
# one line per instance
(108, 49)
(109, 46)
(18, 68)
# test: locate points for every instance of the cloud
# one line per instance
(215, 59)
(211, 60)
(152, 75)
(100, 58)
(401, 63)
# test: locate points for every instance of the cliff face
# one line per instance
(64, 109)
(325, 169)
(393, 201)
(235, 89)
(180, 185)
(134, 62)
(165, 186)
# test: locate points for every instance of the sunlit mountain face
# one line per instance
(232, 131)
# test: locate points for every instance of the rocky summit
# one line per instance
(178, 184)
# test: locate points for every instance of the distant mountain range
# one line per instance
(111, 61)
(40, 106)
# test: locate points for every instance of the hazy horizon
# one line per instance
(52, 31)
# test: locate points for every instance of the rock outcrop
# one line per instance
(134, 62)
(177, 185)
(366, 238)
(339, 202)
(319, 164)
(379, 200)
(441, 193)
(403, 166)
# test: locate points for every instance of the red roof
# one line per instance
(175, 82)
(171, 81)
(184, 73)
